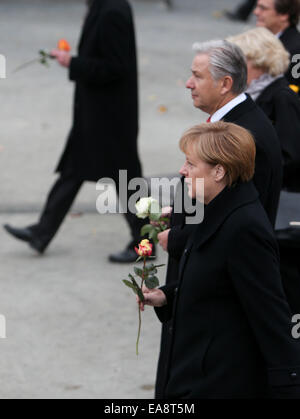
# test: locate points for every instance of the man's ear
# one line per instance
(284, 18)
(220, 173)
(227, 84)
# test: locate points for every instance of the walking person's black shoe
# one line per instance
(26, 235)
(235, 16)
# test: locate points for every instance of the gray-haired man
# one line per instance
(217, 84)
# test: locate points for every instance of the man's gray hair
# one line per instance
(226, 59)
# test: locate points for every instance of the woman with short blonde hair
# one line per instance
(264, 50)
(226, 144)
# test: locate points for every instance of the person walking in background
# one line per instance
(103, 137)
(230, 329)
(217, 85)
(267, 62)
(281, 17)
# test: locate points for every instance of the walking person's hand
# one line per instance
(62, 57)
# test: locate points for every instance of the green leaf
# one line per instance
(152, 282)
(155, 217)
(132, 279)
(151, 269)
(130, 285)
(141, 295)
(138, 272)
(146, 229)
(154, 237)
(138, 288)
(165, 220)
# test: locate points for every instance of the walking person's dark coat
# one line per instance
(103, 138)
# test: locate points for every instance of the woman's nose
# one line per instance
(183, 171)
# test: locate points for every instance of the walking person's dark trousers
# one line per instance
(245, 9)
(242, 11)
(58, 204)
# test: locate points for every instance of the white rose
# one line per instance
(143, 207)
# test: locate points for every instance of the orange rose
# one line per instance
(145, 248)
(63, 45)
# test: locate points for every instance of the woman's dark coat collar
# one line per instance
(221, 207)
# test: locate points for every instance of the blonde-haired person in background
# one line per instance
(229, 321)
(281, 17)
(267, 60)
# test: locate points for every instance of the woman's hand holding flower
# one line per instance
(153, 298)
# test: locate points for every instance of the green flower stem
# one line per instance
(27, 64)
(139, 332)
(162, 225)
(140, 316)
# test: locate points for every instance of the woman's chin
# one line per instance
(191, 195)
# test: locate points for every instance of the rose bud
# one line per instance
(63, 45)
(145, 248)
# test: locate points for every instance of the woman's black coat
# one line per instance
(282, 106)
(103, 138)
(268, 176)
(230, 331)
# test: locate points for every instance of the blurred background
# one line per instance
(37, 102)
(71, 324)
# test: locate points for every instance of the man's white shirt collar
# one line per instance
(217, 116)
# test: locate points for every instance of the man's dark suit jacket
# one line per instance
(268, 163)
(268, 178)
(291, 41)
(230, 334)
(103, 138)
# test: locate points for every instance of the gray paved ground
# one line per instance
(71, 324)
